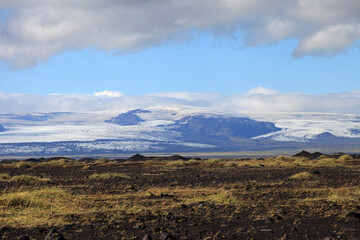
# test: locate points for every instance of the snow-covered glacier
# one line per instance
(165, 129)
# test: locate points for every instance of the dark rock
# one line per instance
(269, 220)
(130, 188)
(315, 172)
(177, 157)
(24, 238)
(353, 215)
(34, 160)
(166, 236)
(170, 216)
(149, 213)
(184, 206)
(306, 236)
(140, 226)
(284, 237)
(308, 155)
(2, 129)
(165, 195)
(317, 155)
(137, 157)
(54, 235)
(147, 237)
(303, 153)
(2, 231)
(281, 211)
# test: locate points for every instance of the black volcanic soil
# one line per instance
(272, 209)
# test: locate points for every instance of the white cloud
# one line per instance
(107, 93)
(340, 36)
(188, 96)
(262, 91)
(256, 100)
(33, 31)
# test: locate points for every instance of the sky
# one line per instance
(277, 55)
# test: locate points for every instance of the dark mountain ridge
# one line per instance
(202, 128)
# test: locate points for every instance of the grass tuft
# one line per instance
(104, 176)
(23, 164)
(4, 176)
(345, 158)
(303, 176)
(176, 163)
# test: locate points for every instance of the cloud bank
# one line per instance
(255, 101)
(33, 31)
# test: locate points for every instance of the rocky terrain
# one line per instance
(306, 196)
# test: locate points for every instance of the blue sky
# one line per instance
(203, 65)
(138, 48)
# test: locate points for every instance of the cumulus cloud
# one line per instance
(33, 31)
(256, 100)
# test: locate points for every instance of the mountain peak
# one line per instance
(128, 118)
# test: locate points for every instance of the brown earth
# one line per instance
(181, 199)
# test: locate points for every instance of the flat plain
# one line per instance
(307, 196)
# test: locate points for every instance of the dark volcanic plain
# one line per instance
(308, 196)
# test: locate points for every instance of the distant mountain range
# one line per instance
(172, 129)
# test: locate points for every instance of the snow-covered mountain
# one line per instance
(168, 129)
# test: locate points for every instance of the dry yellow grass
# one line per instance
(109, 175)
(182, 163)
(105, 162)
(303, 176)
(22, 164)
(22, 178)
(345, 157)
(4, 176)
(282, 161)
(341, 195)
(46, 206)
(27, 164)
(52, 206)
